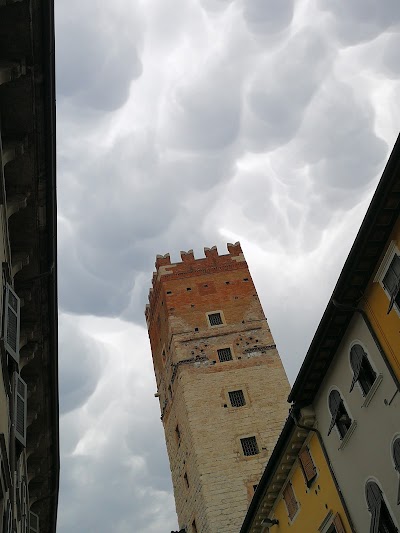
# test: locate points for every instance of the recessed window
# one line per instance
(237, 398)
(205, 285)
(290, 501)
(224, 354)
(249, 446)
(178, 433)
(391, 282)
(227, 282)
(381, 520)
(308, 466)
(196, 329)
(185, 477)
(245, 279)
(396, 458)
(363, 372)
(169, 292)
(340, 417)
(194, 527)
(215, 319)
(188, 288)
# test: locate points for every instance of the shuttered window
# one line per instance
(362, 369)
(11, 323)
(391, 282)
(20, 396)
(290, 501)
(381, 521)
(33, 523)
(340, 418)
(337, 522)
(308, 466)
(396, 458)
(8, 519)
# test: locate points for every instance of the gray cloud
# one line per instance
(391, 56)
(283, 87)
(97, 56)
(268, 16)
(361, 20)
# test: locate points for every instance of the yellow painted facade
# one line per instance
(386, 326)
(318, 504)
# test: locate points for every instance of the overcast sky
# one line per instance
(192, 123)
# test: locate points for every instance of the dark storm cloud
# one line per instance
(361, 20)
(283, 87)
(348, 155)
(79, 365)
(97, 57)
(268, 16)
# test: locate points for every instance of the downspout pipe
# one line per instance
(321, 442)
(373, 335)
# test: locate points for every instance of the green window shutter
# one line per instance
(20, 404)
(33, 523)
(334, 405)
(11, 323)
(357, 355)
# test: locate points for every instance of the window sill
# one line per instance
(349, 433)
(373, 389)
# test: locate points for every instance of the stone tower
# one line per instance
(220, 382)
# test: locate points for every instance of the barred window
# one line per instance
(236, 398)
(224, 354)
(215, 319)
(249, 446)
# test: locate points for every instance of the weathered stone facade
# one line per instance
(213, 477)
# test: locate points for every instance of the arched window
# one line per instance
(362, 369)
(381, 521)
(340, 418)
(396, 458)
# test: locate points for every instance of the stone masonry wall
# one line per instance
(213, 480)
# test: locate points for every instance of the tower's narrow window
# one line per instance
(215, 319)
(237, 398)
(194, 527)
(185, 477)
(224, 354)
(249, 446)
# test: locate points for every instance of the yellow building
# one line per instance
(298, 492)
(382, 298)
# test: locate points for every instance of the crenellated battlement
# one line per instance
(190, 266)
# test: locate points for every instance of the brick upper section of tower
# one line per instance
(190, 267)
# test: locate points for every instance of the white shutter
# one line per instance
(33, 523)
(20, 397)
(11, 323)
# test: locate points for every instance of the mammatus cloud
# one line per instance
(185, 124)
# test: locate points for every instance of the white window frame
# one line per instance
(381, 272)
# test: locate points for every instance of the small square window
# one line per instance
(224, 354)
(215, 319)
(237, 398)
(249, 446)
(245, 279)
(188, 288)
(169, 292)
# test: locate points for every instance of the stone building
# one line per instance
(220, 382)
(29, 448)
